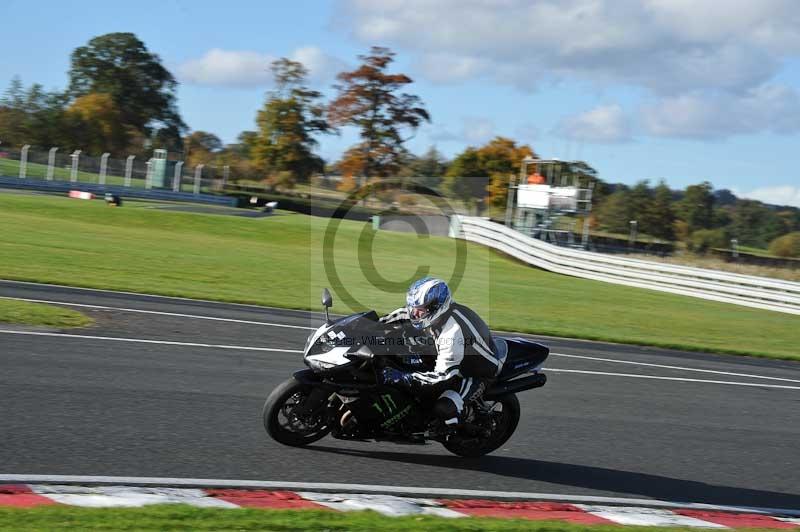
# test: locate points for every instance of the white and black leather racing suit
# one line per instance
(465, 360)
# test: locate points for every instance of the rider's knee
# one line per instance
(448, 406)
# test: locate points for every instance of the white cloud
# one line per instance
(322, 67)
(227, 68)
(765, 108)
(668, 46)
(475, 130)
(445, 68)
(241, 68)
(780, 195)
(606, 123)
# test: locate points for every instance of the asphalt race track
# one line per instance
(87, 403)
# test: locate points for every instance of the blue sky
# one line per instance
(684, 90)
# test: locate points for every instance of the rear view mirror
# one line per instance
(327, 300)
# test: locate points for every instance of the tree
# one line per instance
(790, 219)
(47, 123)
(351, 163)
(200, 148)
(787, 245)
(430, 164)
(614, 213)
(427, 169)
(34, 116)
(501, 158)
(702, 240)
(287, 123)
(466, 178)
(754, 224)
(640, 203)
(697, 207)
(119, 64)
(661, 217)
(98, 125)
(13, 115)
(245, 143)
(724, 197)
(651, 208)
(368, 99)
(721, 216)
(478, 171)
(347, 184)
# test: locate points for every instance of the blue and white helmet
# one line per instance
(427, 300)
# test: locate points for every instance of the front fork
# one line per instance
(314, 401)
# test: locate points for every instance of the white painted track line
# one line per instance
(679, 368)
(681, 379)
(155, 296)
(160, 313)
(278, 350)
(301, 327)
(369, 488)
(145, 341)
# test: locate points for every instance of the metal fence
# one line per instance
(131, 173)
(749, 291)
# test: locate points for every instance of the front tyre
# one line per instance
(286, 420)
(499, 423)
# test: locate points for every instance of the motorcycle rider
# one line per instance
(465, 354)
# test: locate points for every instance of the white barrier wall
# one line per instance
(749, 291)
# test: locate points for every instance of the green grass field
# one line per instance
(278, 261)
(178, 517)
(23, 313)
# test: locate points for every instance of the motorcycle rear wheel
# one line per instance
(286, 426)
(506, 421)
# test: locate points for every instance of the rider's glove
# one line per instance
(395, 377)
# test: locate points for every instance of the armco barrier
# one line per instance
(757, 292)
(124, 192)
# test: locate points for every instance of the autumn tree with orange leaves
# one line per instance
(485, 171)
(98, 124)
(369, 99)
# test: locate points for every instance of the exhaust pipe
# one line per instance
(500, 389)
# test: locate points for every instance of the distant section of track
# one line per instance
(186, 401)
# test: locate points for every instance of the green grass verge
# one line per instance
(761, 252)
(278, 261)
(24, 313)
(177, 517)
(10, 168)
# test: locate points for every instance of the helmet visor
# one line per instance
(419, 313)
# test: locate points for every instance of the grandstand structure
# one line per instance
(550, 201)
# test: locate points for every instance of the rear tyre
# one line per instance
(285, 420)
(501, 421)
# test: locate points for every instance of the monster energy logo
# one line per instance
(397, 417)
(388, 404)
(386, 407)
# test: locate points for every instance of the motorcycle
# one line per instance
(340, 393)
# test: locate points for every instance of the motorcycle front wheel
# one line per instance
(501, 421)
(286, 421)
